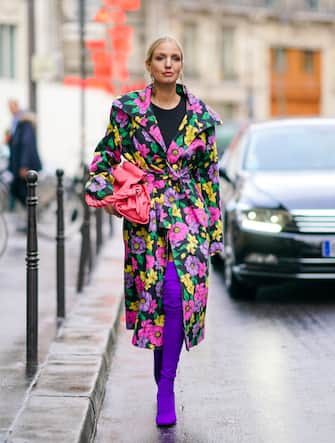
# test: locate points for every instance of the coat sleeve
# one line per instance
(107, 155)
(29, 155)
(209, 182)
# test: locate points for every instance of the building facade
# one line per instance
(247, 58)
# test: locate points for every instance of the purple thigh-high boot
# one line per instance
(158, 356)
(173, 336)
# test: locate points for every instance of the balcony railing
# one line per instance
(310, 6)
(324, 9)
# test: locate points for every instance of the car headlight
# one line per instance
(263, 220)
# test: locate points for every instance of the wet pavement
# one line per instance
(13, 381)
(264, 374)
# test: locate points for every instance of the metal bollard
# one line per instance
(32, 260)
(60, 249)
(98, 225)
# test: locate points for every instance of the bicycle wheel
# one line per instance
(47, 216)
(4, 196)
(3, 234)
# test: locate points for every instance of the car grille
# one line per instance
(312, 221)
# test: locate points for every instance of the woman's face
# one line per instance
(166, 63)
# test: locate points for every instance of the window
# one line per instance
(312, 4)
(292, 147)
(71, 9)
(189, 42)
(235, 156)
(7, 51)
(308, 62)
(226, 54)
(280, 60)
(229, 110)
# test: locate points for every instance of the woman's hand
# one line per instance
(23, 172)
(112, 211)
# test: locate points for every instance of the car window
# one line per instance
(234, 160)
(225, 134)
(307, 147)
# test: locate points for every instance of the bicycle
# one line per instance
(46, 210)
(5, 178)
(3, 224)
(47, 205)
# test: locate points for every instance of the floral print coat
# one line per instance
(182, 180)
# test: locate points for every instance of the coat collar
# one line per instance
(199, 116)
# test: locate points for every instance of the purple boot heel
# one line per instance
(173, 336)
(166, 411)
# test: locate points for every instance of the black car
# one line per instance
(278, 197)
(226, 133)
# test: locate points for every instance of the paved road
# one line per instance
(13, 382)
(264, 374)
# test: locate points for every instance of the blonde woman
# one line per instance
(169, 134)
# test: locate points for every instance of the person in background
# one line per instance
(22, 142)
(170, 134)
(5, 175)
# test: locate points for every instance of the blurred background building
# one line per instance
(247, 58)
(250, 58)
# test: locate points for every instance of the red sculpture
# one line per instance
(110, 57)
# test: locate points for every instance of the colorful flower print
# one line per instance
(192, 265)
(174, 152)
(145, 301)
(137, 245)
(185, 214)
(188, 309)
(178, 232)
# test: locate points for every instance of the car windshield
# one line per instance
(224, 135)
(303, 147)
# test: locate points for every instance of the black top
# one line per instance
(170, 119)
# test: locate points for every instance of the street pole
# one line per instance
(31, 51)
(82, 77)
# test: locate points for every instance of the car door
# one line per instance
(230, 167)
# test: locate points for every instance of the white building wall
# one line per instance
(58, 122)
(58, 105)
(328, 79)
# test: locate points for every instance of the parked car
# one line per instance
(225, 134)
(278, 196)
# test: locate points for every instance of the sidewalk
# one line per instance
(63, 402)
(13, 381)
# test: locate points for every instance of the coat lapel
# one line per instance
(138, 105)
(197, 119)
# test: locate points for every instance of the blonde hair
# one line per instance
(157, 42)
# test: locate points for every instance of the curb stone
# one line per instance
(65, 398)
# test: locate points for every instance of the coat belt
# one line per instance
(183, 175)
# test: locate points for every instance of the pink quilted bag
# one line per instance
(130, 197)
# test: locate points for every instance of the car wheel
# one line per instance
(236, 289)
